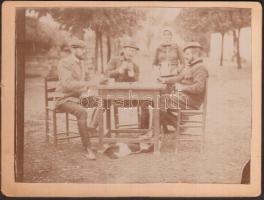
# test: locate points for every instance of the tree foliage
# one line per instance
(192, 24)
(113, 21)
(108, 22)
(239, 18)
(198, 23)
(221, 20)
(40, 34)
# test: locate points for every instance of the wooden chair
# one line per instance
(50, 97)
(184, 123)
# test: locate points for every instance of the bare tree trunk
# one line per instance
(108, 43)
(20, 74)
(101, 51)
(96, 50)
(239, 66)
(222, 49)
(234, 45)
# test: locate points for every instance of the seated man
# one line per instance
(190, 82)
(122, 68)
(72, 84)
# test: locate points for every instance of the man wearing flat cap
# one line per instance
(190, 82)
(72, 85)
(122, 68)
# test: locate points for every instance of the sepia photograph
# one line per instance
(133, 94)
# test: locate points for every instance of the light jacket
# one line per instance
(71, 79)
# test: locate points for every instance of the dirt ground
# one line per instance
(227, 142)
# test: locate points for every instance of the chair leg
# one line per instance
(108, 118)
(177, 135)
(47, 124)
(116, 117)
(203, 133)
(139, 116)
(177, 144)
(179, 122)
(67, 125)
(55, 128)
(162, 135)
(151, 121)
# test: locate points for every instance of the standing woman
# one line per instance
(168, 57)
(168, 62)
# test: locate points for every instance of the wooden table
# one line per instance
(129, 91)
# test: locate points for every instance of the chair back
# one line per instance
(50, 83)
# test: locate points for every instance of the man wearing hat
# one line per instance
(122, 68)
(190, 82)
(72, 84)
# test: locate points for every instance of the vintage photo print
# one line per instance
(131, 99)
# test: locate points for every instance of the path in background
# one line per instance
(228, 136)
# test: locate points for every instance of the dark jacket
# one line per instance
(193, 77)
(171, 53)
(112, 69)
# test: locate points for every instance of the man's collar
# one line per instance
(194, 62)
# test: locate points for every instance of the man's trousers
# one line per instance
(81, 114)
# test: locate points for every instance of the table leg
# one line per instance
(116, 117)
(101, 129)
(108, 118)
(156, 129)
